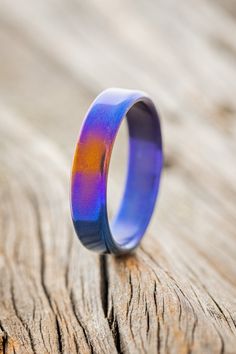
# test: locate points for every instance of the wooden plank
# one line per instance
(177, 292)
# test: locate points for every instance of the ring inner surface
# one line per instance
(144, 167)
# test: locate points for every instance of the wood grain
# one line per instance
(177, 292)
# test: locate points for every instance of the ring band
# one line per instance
(90, 171)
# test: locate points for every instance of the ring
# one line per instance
(91, 164)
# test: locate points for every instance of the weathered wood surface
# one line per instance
(177, 293)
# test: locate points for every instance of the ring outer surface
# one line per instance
(90, 168)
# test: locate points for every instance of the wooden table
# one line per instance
(177, 293)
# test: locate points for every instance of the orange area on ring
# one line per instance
(88, 156)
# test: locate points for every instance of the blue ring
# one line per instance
(91, 164)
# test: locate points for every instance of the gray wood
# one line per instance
(177, 292)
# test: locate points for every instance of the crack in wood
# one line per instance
(85, 333)
(59, 336)
(104, 283)
(113, 324)
(3, 340)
